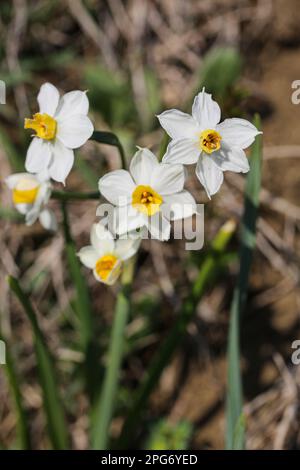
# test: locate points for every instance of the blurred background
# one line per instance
(137, 58)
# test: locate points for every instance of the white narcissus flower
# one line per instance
(30, 195)
(149, 195)
(60, 126)
(105, 256)
(202, 139)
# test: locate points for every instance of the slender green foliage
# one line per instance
(51, 398)
(177, 332)
(103, 410)
(163, 146)
(235, 435)
(23, 434)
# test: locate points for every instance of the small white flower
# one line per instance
(201, 139)
(105, 256)
(60, 126)
(30, 195)
(149, 195)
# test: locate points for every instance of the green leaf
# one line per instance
(163, 146)
(152, 99)
(220, 70)
(239, 432)
(110, 94)
(51, 399)
(248, 237)
(15, 158)
(177, 332)
(13, 215)
(23, 434)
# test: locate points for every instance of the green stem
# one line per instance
(103, 411)
(165, 352)
(235, 432)
(163, 146)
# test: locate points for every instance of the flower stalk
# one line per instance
(235, 432)
(176, 334)
(104, 409)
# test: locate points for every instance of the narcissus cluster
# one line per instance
(148, 196)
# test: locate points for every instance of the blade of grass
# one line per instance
(235, 433)
(165, 352)
(23, 434)
(11, 214)
(51, 398)
(15, 158)
(103, 411)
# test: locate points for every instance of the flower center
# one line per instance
(146, 200)
(210, 140)
(24, 192)
(105, 265)
(43, 124)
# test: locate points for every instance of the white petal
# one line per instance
(102, 240)
(63, 159)
(178, 124)
(38, 155)
(32, 216)
(237, 132)
(48, 99)
(167, 179)
(142, 165)
(179, 206)
(127, 248)
(23, 208)
(48, 220)
(88, 256)
(74, 102)
(43, 176)
(75, 130)
(159, 227)
(185, 151)
(117, 187)
(12, 180)
(209, 175)
(232, 159)
(127, 219)
(43, 195)
(206, 111)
